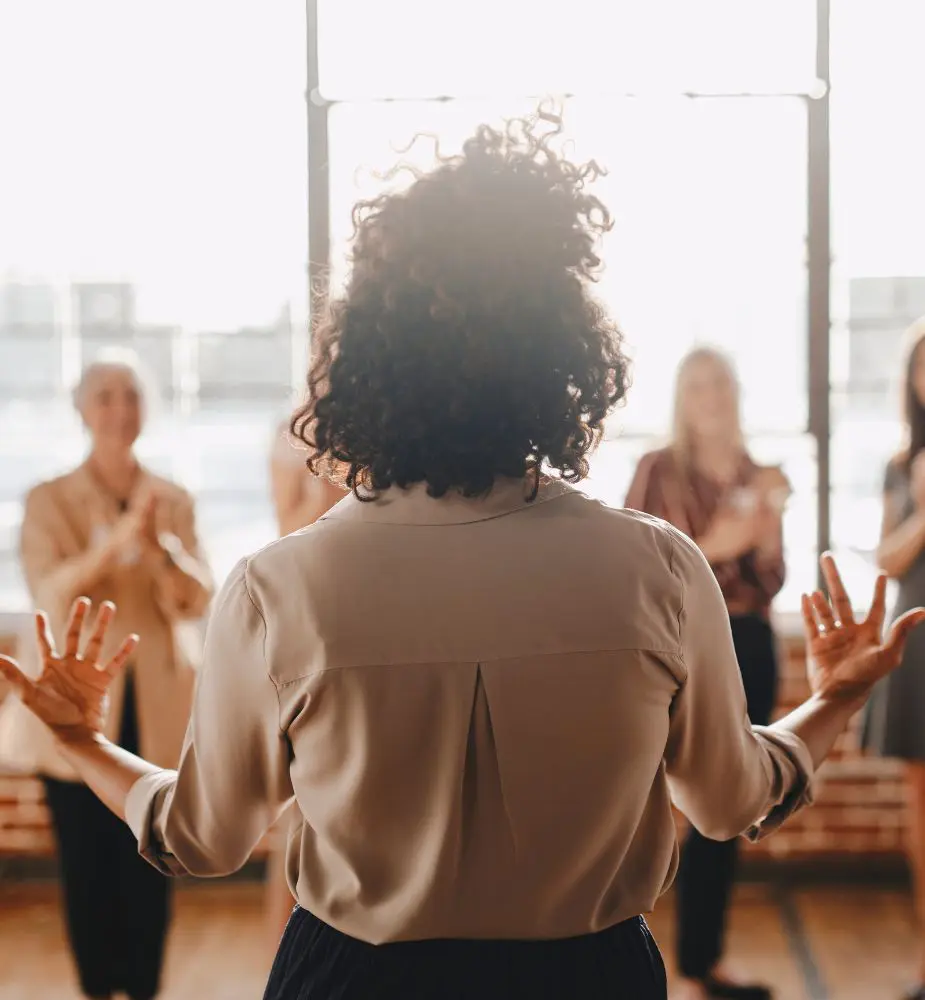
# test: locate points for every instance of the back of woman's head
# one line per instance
(466, 345)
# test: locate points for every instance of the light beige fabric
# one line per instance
(60, 521)
(481, 707)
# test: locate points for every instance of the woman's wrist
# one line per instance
(849, 696)
(77, 737)
(164, 550)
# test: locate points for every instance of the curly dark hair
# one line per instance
(466, 345)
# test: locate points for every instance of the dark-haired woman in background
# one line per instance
(477, 716)
(707, 484)
(895, 719)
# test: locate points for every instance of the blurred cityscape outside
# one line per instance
(169, 214)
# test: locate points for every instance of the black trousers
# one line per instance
(317, 962)
(708, 867)
(117, 906)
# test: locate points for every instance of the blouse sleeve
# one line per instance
(53, 578)
(895, 480)
(646, 492)
(189, 598)
(769, 567)
(727, 776)
(39, 554)
(232, 781)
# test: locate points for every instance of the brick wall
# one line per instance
(859, 808)
(860, 800)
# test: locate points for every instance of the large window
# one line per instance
(878, 212)
(708, 187)
(153, 195)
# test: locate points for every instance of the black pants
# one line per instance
(317, 962)
(117, 906)
(708, 867)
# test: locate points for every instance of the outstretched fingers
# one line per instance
(837, 593)
(43, 636)
(18, 681)
(877, 612)
(810, 626)
(75, 625)
(100, 627)
(122, 655)
(900, 629)
(823, 611)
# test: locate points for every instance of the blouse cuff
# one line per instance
(139, 814)
(790, 754)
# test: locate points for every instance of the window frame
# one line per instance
(818, 235)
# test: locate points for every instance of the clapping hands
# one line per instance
(135, 529)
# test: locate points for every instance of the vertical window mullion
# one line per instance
(819, 262)
(319, 193)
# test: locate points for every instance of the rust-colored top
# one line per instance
(690, 501)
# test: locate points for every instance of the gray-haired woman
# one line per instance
(114, 531)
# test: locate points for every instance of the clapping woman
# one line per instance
(114, 531)
(706, 484)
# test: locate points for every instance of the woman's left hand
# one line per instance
(71, 694)
(845, 658)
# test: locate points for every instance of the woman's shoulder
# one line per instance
(169, 491)
(768, 476)
(660, 461)
(896, 473)
(49, 491)
(658, 456)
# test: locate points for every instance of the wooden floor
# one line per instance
(812, 944)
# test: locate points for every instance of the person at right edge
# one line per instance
(894, 723)
(706, 484)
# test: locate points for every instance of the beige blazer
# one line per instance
(62, 518)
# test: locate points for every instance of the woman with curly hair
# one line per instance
(481, 688)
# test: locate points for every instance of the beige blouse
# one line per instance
(62, 518)
(483, 709)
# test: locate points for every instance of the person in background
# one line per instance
(894, 724)
(481, 688)
(115, 531)
(299, 499)
(706, 484)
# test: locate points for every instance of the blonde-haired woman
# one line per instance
(114, 531)
(706, 483)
